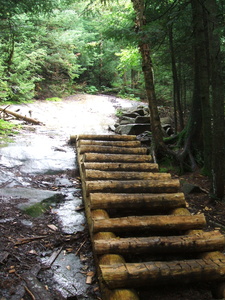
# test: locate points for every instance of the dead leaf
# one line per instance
(207, 208)
(12, 271)
(33, 252)
(89, 278)
(68, 268)
(69, 249)
(52, 227)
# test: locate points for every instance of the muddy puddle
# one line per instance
(40, 190)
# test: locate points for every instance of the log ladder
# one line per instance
(135, 214)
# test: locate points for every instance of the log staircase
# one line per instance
(141, 231)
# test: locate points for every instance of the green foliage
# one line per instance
(6, 128)
(119, 112)
(91, 89)
(130, 58)
(167, 165)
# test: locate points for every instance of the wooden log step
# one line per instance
(206, 241)
(133, 186)
(126, 144)
(112, 149)
(103, 137)
(152, 273)
(111, 166)
(154, 202)
(151, 223)
(103, 157)
(121, 175)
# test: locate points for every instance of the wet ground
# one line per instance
(42, 219)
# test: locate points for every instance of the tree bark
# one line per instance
(126, 144)
(121, 175)
(101, 157)
(151, 223)
(201, 46)
(207, 241)
(152, 273)
(217, 80)
(104, 137)
(147, 67)
(133, 186)
(176, 85)
(112, 166)
(160, 202)
(111, 149)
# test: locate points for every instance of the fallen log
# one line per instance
(113, 166)
(207, 241)
(102, 157)
(20, 117)
(152, 223)
(154, 202)
(133, 186)
(127, 275)
(122, 175)
(111, 149)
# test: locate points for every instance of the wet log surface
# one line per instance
(149, 202)
(203, 242)
(153, 273)
(122, 175)
(121, 166)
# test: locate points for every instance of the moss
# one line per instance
(40, 208)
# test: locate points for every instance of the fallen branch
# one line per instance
(21, 241)
(52, 258)
(78, 250)
(20, 117)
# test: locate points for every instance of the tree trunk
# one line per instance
(201, 46)
(176, 85)
(139, 8)
(217, 80)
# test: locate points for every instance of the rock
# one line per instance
(129, 115)
(145, 137)
(132, 129)
(189, 188)
(126, 120)
(142, 119)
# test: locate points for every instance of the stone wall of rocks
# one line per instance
(137, 121)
